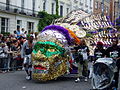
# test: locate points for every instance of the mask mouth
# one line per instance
(41, 67)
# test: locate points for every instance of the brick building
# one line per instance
(106, 7)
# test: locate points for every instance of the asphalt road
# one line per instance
(16, 81)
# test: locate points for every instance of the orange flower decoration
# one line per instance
(72, 34)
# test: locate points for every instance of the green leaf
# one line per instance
(46, 19)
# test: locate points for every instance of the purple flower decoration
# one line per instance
(61, 30)
(79, 23)
(108, 17)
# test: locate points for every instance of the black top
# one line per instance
(80, 50)
(113, 51)
(99, 53)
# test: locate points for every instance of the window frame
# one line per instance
(52, 9)
(19, 24)
(61, 10)
(31, 27)
(6, 24)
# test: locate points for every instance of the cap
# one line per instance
(99, 43)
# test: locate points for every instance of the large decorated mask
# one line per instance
(49, 61)
(49, 56)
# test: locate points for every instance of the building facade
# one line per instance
(16, 14)
(65, 6)
(105, 7)
(117, 8)
(101, 6)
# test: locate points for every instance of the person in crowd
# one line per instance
(21, 40)
(4, 57)
(114, 52)
(15, 34)
(82, 60)
(1, 38)
(15, 48)
(33, 34)
(99, 51)
(36, 34)
(25, 34)
(18, 32)
(22, 32)
(8, 42)
(26, 54)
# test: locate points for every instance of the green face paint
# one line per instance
(48, 48)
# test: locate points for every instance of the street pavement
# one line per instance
(16, 81)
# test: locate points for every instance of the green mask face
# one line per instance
(48, 61)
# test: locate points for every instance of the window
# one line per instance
(81, 3)
(33, 5)
(7, 4)
(4, 24)
(22, 5)
(30, 26)
(86, 4)
(61, 10)
(96, 5)
(67, 10)
(75, 1)
(44, 5)
(85, 1)
(19, 24)
(106, 9)
(52, 8)
(100, 5)
(90, 3)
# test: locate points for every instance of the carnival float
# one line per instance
(51, 55)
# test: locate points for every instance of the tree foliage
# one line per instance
(46, 19)
(5, 33)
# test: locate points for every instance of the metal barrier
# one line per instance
(10, 64)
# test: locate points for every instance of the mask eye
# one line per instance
(51, 50)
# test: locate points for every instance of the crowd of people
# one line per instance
(82, 50)
(16, 49)
(10, 50)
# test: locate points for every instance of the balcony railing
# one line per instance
(18, 10)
